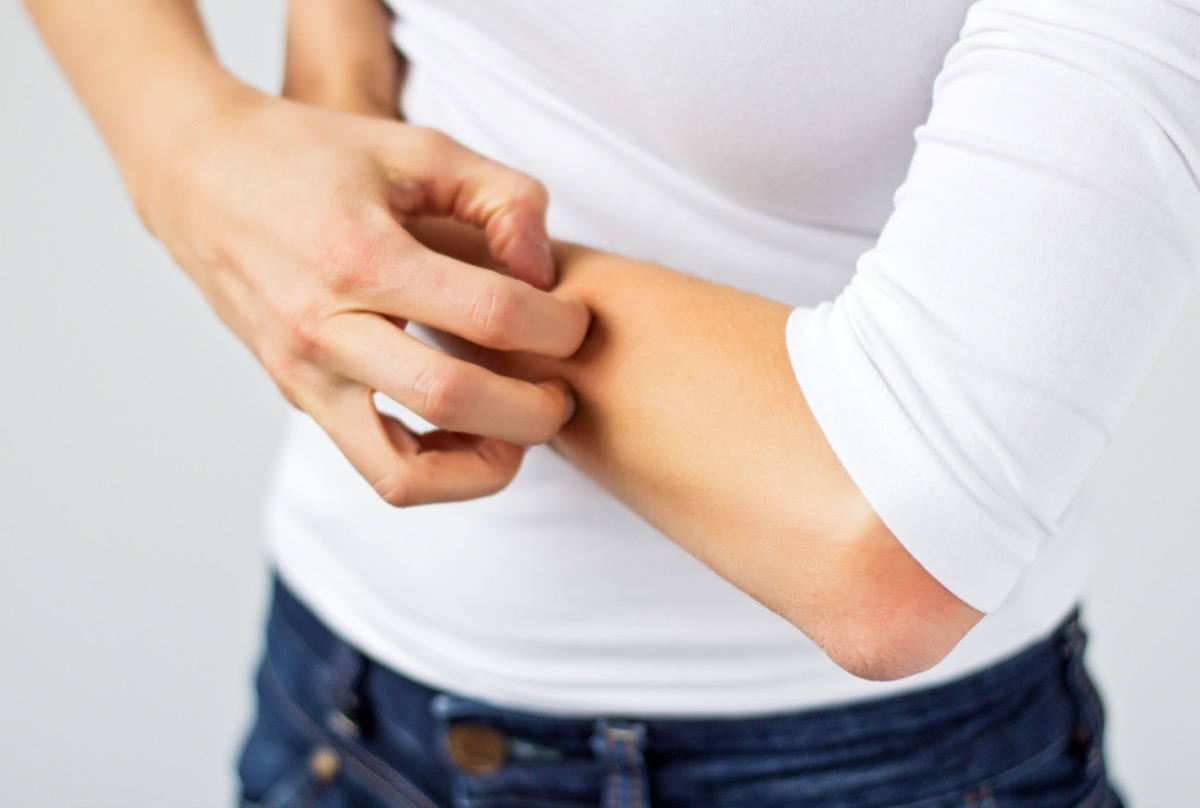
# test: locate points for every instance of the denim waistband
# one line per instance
(1000, 690)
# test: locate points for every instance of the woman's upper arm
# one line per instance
(1042, 249)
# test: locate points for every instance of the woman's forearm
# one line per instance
(146, 72)
(689, 412)
(340, 55)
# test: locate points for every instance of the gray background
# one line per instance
(137, 437)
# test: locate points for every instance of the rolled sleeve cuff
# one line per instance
(947, 528)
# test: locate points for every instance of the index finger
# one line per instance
(479, 305)
(508, 205)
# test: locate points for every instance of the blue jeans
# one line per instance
(337, 730)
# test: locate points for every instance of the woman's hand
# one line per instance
(340, 57)
(288, 218)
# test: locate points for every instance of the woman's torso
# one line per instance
(758, 145)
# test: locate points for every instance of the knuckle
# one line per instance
(496, 316)
(302, 333)
(523, 200)
(347, 275)
(348, 256)
(439, 394)
(430, 139)
(530, 193)
(395, 489)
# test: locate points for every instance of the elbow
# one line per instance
(880, 615)
(887, 649)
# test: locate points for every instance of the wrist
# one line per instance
(340, 56)
(343, 94)
(180, 118)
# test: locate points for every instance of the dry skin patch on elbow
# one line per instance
(898, 620)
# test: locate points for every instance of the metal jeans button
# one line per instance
(324, 763)
(477, 749)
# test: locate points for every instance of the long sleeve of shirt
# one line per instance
(1041, 251)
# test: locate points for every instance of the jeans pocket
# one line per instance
(295, 788)
(277, 773)
(1071, 772)
(282, 765)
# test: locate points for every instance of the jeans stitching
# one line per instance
(1091, 709)
(635, 785)
(614, 775)
(364, 762)
(612, 789)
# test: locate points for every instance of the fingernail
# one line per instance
(545, 259)
(570, 407)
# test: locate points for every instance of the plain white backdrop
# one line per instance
(137, 436)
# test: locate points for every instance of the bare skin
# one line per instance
(341, 53)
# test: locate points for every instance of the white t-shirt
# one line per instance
(968, 374)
